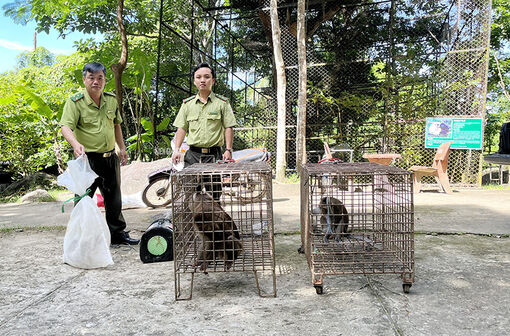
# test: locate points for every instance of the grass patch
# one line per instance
(496, 187)
(10, 199)
(34, 228)
(60, 194)
(56, 194)
(292, 178)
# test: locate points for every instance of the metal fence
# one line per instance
(376, 70)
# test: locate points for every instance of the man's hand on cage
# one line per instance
(227, 155)
(176, 157)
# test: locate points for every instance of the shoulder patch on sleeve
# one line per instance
(220, 97)
(77, 97)
(110, 94)
(188, 99)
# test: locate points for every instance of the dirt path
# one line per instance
(467, 211)
(461, 281)
(452, 294)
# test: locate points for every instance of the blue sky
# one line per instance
(16, 38)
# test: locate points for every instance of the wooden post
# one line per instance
(301, 115)
(281, 86)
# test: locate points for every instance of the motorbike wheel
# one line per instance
(156, 194)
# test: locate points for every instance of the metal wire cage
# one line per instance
(223, 221)
(357, 218)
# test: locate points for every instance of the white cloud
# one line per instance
(61, 51)
(13, 45)
(17, 46)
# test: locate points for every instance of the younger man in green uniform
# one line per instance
(208, 119)
(91, 124)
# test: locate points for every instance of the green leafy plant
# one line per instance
(143, 143)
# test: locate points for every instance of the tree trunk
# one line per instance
(58, 155)
(301, 115)
(118, 68)
(280, 93)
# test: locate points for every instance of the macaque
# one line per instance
(219, 234)
(334, 216)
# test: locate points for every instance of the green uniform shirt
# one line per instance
(92, 126)
(205, 123)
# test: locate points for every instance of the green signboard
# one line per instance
(466, 133)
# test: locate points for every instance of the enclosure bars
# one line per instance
(168, 79)
(193, 47)
(156, 102)
(402, 133)
(231, 41)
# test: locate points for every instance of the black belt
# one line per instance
(205, 150)
(104, 155)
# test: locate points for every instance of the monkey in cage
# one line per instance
(218, 232)
(335, 218)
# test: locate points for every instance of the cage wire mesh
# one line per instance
(357, 218)
(376, 70)
(223, 221)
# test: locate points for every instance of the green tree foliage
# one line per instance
(499, 73)
(137, 81)
(373, 85)
(37, 58)
(140, 20)
(31, 104)
(142, 144)
(87, 16)
(500, 30)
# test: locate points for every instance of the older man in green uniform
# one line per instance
(91, 124)
(208, 119)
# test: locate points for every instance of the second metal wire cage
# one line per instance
(232, 233)
(378, 220)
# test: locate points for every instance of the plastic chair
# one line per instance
(438, 169)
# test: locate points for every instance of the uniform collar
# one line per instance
(90, 101)
(211, 97)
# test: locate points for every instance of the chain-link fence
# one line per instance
(376, 70)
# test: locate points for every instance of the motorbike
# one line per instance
(157, 193)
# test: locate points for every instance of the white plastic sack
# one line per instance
(184, 147)
(87, 238)
(133, 201)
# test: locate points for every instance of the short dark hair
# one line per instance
(93, 67)
(204, 65)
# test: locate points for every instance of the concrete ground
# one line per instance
(462, 280)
